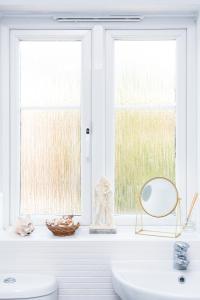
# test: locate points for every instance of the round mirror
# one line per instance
(159, 197)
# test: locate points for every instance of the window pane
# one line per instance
(50, 127)
(145, 117)
(50, 73)
(145, 72)
(145, 143)
(50, 162)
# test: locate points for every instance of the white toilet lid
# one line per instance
(14, 286)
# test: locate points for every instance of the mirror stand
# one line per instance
(143, 228)
(177, 230)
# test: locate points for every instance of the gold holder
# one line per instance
(140, 228)
(177, 229)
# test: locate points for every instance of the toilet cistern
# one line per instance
(181, 261)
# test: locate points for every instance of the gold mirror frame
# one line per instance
(178, 228)
(177, 197)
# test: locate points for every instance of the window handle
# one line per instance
(87, 152)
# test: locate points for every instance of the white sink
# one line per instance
(155, 280)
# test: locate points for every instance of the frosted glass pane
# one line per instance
(145, 148)
(145, 72)
(50, 73)
(50, 162)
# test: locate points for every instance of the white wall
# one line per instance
(101, 6)
(198, 111)
(82, 267)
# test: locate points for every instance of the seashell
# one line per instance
(24, 226)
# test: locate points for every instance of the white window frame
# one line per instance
(85, 107)
(101, 134)
(181, 101)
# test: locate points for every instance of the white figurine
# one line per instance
(103, 204)
(24, 226)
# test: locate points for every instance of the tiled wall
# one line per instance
(81, 267)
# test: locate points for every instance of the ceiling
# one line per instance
(101, 6)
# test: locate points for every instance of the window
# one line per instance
(128, 87)
(146, 119)
(50, 178)
(52, 110)
(145, 116)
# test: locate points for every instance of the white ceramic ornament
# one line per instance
(24, 226)
(103, 208)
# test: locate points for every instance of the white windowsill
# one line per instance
(124, 233)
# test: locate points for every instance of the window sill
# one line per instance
(124, 233)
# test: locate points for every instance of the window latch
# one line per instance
(87, 131)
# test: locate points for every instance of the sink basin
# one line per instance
(155, 280)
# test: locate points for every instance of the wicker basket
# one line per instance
(63, 230)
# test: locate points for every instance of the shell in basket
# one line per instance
(62, 226)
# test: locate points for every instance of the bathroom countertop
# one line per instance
(124, 233)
